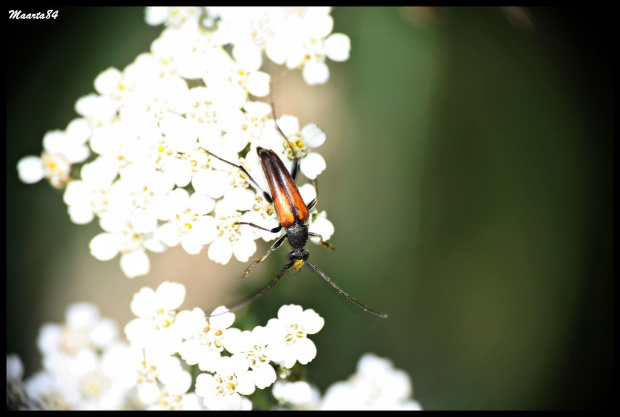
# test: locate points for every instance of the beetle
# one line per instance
(293, 215)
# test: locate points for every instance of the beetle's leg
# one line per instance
(315, 200)
(262, 258)
(326, 244)
(258, 187)
(274, 230)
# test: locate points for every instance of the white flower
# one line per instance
(225, 389)
(16, 396)
(156, 311)
(174, 395)
(230, 239)
(304, 141)
(84, 329)
(299, 394)
(288, 341)
(205, 338)
(171, 16)
(73, 377)
(375, 386)
(252, 348)
(62, 149)
(147, 370)
(238, 75)
(93, 194)
(188, 222)
(154, 126)
(125, 240)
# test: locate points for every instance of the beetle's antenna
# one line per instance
(275, 119)
(258, 294)
(341, 292)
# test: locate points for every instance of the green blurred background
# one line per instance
(469, 180)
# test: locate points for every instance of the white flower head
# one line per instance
(231, 239)
(140, 156)
(204, 338)
(300, 394)
(251, 347)
(376, 385)
(288, 334)
(62, 149)
(227, 388)
(156, 311)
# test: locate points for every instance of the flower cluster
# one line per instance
(183, 360)
(87, 366)
(376, 385)
(139, 158)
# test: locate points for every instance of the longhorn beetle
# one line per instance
(293, 215)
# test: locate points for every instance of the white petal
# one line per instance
(156, 15)
(80, 214)
(210, 182)
(306, 350)
(224, 321)
(104, 332)
(338, 47)
(288, 124)
(245, 385)
(14, 368)
(79, 130)
(243, 249)
(170, 295)
(205, 229)
(201, 203)
(191, 243)
(258, 83)
(105, 246)
(148, 393)
(77, 154)
(290, 313)
(312, 322)
(312, 165)
(54, 141)
(81, 315)
(107, 81)
(315, 73)
(168, 234)
(135, 264)
(313, 135)
(248, 56)
(323, 227)
(220, 251)
(143, 221)
(264, 376)
(30, 169)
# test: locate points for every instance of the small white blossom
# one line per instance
(288, 335)
(62, 149)
(156, 311)
(252, 348)
(205, 338)
(174, 395)
(226, 389)
(300, 394)
(230, 240)
(73, 354)
(376, 385)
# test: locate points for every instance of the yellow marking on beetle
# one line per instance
(298, 264)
